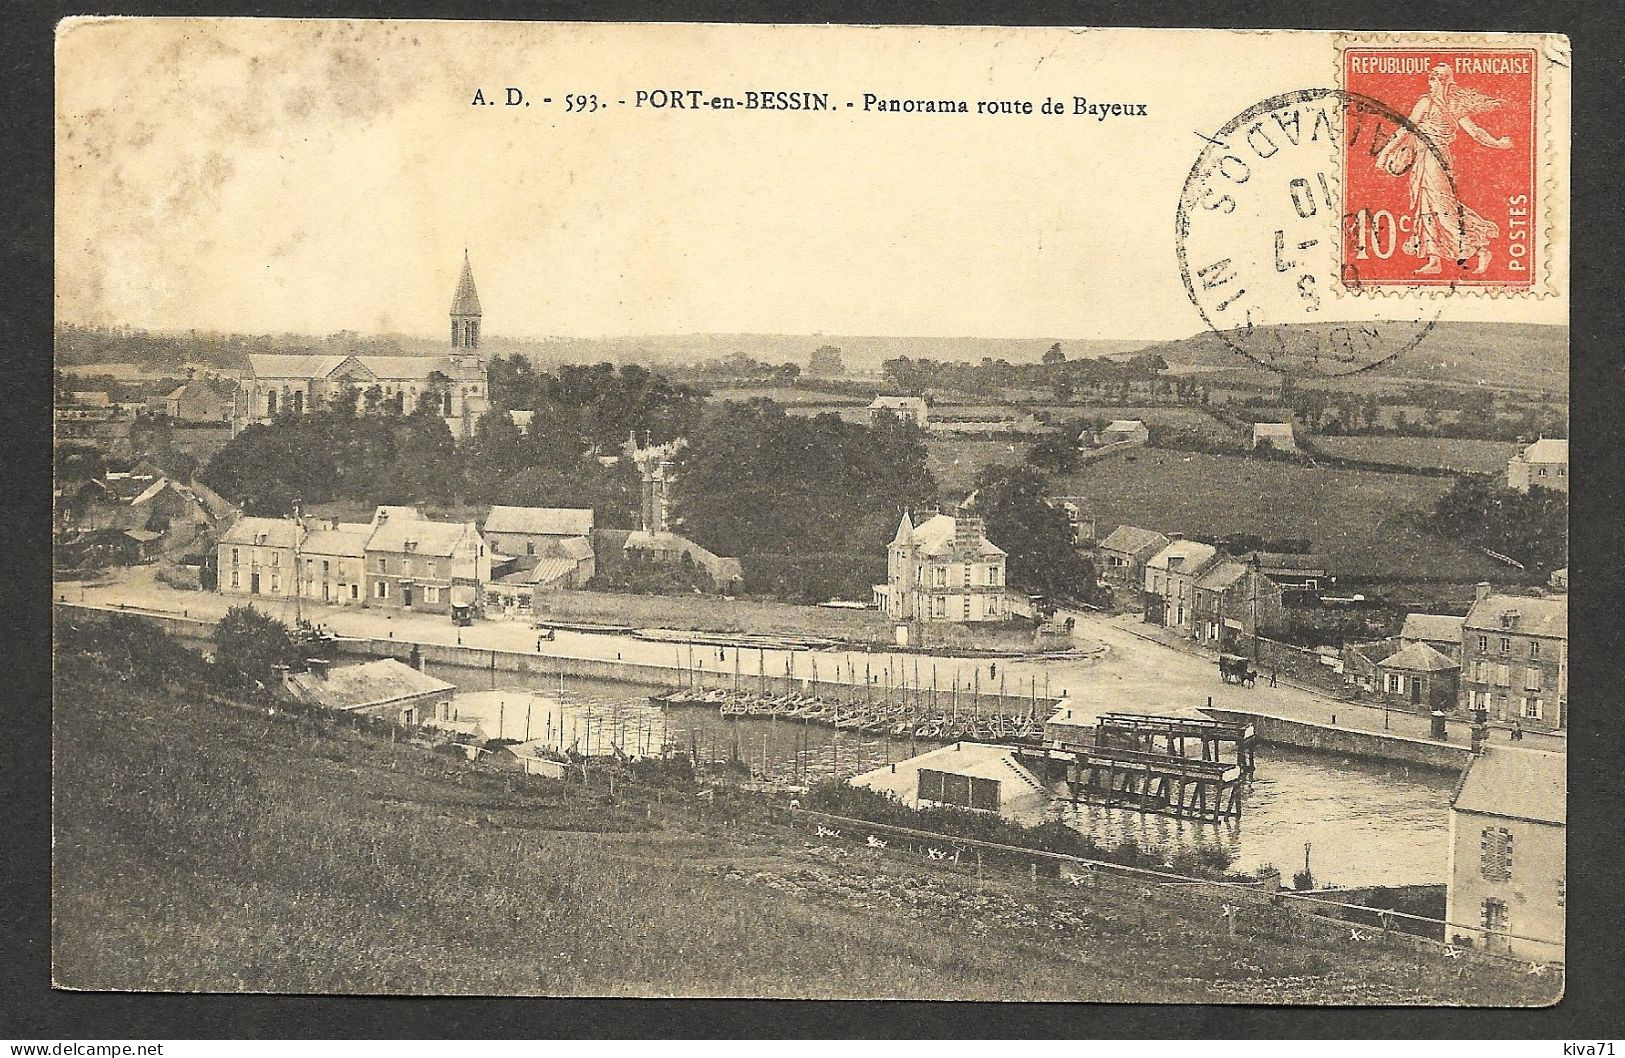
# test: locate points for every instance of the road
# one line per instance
(1125, 669)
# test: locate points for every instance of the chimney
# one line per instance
(318, 667)
(1482, 591)
(1481, 738)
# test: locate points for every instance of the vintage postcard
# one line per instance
(936, 513)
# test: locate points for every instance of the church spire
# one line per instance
(465, 310)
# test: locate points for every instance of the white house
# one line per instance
(1278, 434)
(906, 408)
(944, 569)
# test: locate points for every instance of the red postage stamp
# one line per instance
(1446, 194)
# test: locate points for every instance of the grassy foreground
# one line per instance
(203, 846)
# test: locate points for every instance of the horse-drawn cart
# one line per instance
(1233, 668)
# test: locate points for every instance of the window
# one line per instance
(383, 566)
(1395, 683)
(1503, 676)
(1481, 672)
(939, 576)
(1483, 644)
(431, 593)
(1506, 645)
(276, 558)
(1534, 708)
(939, 606)
(1531, 678)
(234, 556)
(355, 591)
(1495, 915)
(235, 582)
(380, 590)
(1495, 854)
(1534, 648)
(275, 585)
(530, 547)
(1562, 892)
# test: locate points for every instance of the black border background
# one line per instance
(1592, 1008)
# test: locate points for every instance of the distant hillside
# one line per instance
(1519, 356)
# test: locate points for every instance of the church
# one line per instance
(295, 383)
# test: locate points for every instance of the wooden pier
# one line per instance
(1157, 782)
(1219, 740)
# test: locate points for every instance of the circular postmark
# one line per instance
(1264, 233)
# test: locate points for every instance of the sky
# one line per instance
(262, 176)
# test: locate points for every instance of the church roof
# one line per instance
(466, 302)
(304, 366)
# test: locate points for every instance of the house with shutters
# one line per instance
(1515, 658)
(1508, 885)
(1417, 678)
(413, 563)
(944, 569)
(332, 559)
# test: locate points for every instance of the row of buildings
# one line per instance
(402, 560)
(1508, 659)
(1199, 591)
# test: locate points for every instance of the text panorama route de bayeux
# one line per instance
(697, 99)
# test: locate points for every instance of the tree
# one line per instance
(1053, 355)
(1057, 453)
(248, 645)
(1036, 536)
(826, 361)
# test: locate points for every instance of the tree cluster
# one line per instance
(1036, 536)
(1530, 527)
(757, 481)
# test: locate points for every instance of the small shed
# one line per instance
(971, 775)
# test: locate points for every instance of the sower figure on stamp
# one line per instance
(1441, 225)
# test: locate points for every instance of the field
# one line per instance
(203, 846)
(1363, 521)
(1451, 453)
(955, 463)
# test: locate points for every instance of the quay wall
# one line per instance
(1349, 742)
(197, 631)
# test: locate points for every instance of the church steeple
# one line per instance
(465, 310)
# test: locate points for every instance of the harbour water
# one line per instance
(1365, 823)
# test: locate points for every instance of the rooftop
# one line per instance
(1222, 575)
(264, 532)
(341, 543)
(543, 521)
(1547, 450)
(935, 537)
(1529, 615)
(1193, 553)
(1418, 657)
(1432, 627)
(419, 536)
(1285, 560)
(1515, 782)
(367, 684)
(1129, 538)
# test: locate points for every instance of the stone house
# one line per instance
(414, 563)
(1544, 464)
(334, 564)
(944, 569)
(1419, 679)
(532, 530)
(1124, 553)
(197, 401)
(1508, 885)
(1232, 601)
(1515, 658)
(1170, 583)
(1125, 431)
(256, 557)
